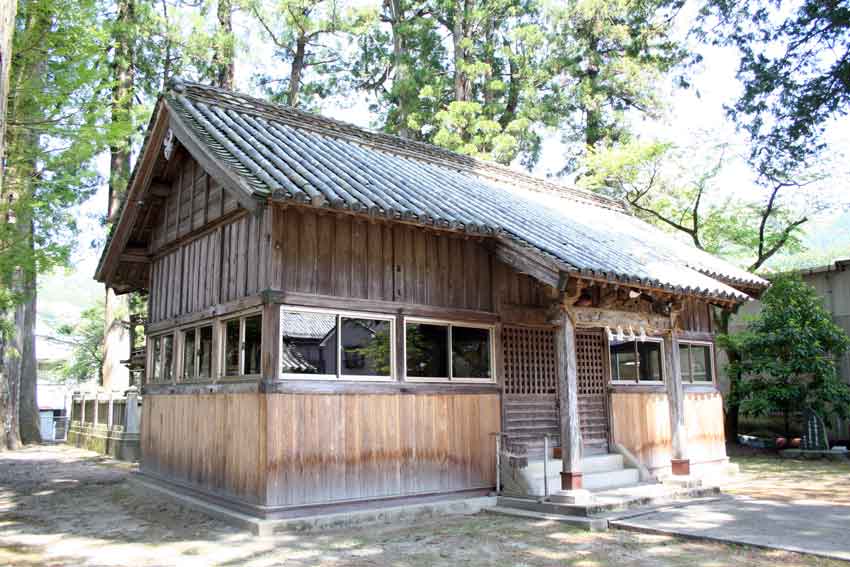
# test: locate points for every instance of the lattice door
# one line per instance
(592, 389)
(529, 361)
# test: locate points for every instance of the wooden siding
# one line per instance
(223, 454)
(299, 449)
(344, 256)
(640, 422)
(696, 316)
(195, 200)
(325, 448)
(704, 419)
(215, 267)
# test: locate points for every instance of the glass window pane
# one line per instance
(189, 354)
(470, 352)
(253, 335)
(685, 362)
(167, 357)
(650, 361)
(308, 343)
(205, 352)
(231, 348)
(701, 363)
(157, 360)
(365, 347)
(623, 361)
(426, 346)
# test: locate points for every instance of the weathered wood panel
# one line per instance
(640, 422)
(224, 454)
(346, 256)
(195, 200)
(325, 448)
(214, 267)
(704, 420)
(695, 316)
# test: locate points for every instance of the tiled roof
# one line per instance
(284, 153)
(307, 325)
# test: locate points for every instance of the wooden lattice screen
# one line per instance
(590, 355)
(529, 361)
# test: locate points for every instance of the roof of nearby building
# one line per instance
(283, 153)
(307, 325)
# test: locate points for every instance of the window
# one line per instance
(162, 358)
(696, 362)
(197, 353)
(636, 361)
(189, 353)
(167, 358)
(328, 345)
(242, 343)
(205, 345)
(448, 351)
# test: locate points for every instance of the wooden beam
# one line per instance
(676, 401)
(565, 346)
(526, 261)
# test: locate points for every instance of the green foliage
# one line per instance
(787, 355)
(611, 56)
(86, 338)
(794, 67)
(670, 187)
(55, 129)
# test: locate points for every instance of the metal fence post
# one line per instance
(82, 408)
(109, 412)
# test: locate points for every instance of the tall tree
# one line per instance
(223, 62)
(795, 70)
(124, 30)
(612, 55)
(306, 36)
(55, 127)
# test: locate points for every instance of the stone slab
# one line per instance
(265, 527)
(803, 526)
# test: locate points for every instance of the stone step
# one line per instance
(610, 479)
(591, 464)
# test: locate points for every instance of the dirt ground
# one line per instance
(64, 506)
(765, 475)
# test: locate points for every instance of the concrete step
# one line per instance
(610, 479)
(589, 465)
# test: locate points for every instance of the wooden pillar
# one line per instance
(109, 412)
(680, 463)
(565, 346)
(96, 404)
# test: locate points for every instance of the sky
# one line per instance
(694, 116)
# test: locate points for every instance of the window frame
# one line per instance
(637, 381)
(339, 314)
(197, 327)
(491, 329)
(710, 345)
(222, 341)
(152, 378)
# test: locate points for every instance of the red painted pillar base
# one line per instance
(681, 467)
(570, 481)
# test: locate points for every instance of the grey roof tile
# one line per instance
(290, 154)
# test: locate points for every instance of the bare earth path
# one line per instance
(64, 506)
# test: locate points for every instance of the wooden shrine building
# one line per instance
(339, 315)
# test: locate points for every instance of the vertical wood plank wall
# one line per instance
(213, 442)
(640, 422)
(344, 256)
(215, 267)
(695, 316)
(704, 420)
(195, 200)
(299, 449)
